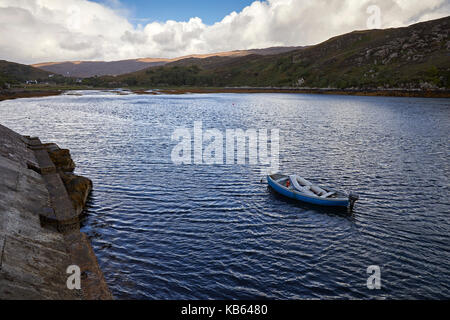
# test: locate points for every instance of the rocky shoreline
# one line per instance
(41, 204)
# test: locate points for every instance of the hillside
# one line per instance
(12, 73)
(411, 57)
(17, 74)
(84, 69)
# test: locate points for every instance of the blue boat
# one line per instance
(298, 188)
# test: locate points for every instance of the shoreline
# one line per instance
(23, 93)
(41, 92)
(41, 206)
(349, 92)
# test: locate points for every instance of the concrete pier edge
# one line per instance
(49, 224)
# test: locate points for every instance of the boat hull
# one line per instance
(336, 202)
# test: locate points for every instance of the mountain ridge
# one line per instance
(85, 69)
(416, 56)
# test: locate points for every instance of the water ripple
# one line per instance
(162, 231)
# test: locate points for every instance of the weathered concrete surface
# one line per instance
(34, 257)
(78, 187)
(60, 157)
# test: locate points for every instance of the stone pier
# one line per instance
(40, 208)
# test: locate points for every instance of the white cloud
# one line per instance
(54, 30)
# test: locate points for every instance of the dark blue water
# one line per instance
(163, 231)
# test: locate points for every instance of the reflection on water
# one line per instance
(162, 231)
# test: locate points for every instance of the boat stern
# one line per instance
(352, 198)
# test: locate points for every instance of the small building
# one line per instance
(301, 82)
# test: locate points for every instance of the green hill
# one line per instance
(417, 56)
(13, 73)
(16, 74)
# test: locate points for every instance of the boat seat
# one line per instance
(326, 195)
(280, 180)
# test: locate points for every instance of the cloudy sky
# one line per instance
(54, 30)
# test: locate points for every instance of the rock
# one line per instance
(60, 157)
(78, 188)
(393, 56)
(382, 52)
(427, 86)
(406, 46)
